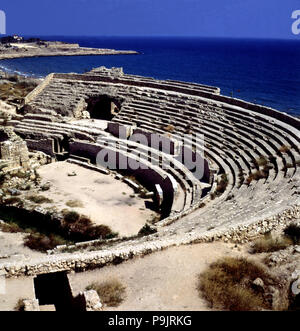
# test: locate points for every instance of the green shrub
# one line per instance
(80, 227)
(146, 230)
(292, 231)
(41, 242)
(70, 216)
(10, 228)
(111, 293)
(100, 232)
(13, 201)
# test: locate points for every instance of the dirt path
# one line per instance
(165, 280)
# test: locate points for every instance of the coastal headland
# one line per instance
(18, 47)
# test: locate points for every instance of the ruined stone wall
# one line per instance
(238, 134)
(15, 152)
(137, 82)
(44, 145)
(147, 176)
(185, 90)
(119, 130)
(143, 246)
(33, 94)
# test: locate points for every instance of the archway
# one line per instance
(103, 107)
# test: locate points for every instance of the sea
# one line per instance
(261, 71)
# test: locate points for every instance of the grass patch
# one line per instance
(81, 228)
(257, 175)
(10, 228)
(11, 90)
(41, 242)
(111, 293)
(74, 204)
(169, 128)
(221, 186)
(45, 232)
(262, 161)
(34, 240)
(284, 149)
(39, 199)
(228, 284)
(270, 244)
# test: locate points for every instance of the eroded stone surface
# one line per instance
(253, 149)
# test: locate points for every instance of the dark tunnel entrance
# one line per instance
(54, 289)
(103, 107)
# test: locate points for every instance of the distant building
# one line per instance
(18, 38)
(11, 39)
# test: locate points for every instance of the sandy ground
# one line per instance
(22, 45)
(15, 289)
(166, 280)
(12, 246)
(105, 200)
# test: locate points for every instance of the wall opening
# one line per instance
(103, 107)
(54, 289)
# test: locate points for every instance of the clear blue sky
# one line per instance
(207, 18)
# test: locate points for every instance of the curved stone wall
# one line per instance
(252, 153)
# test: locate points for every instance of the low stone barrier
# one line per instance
(82, 261)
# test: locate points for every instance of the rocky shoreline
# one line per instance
(53, 48)
(79, 52)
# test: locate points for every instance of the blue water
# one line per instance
(261, 71)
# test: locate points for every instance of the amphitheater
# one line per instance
(250, 158)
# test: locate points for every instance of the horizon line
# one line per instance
(293, 38)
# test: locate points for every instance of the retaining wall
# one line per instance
(144, 246)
